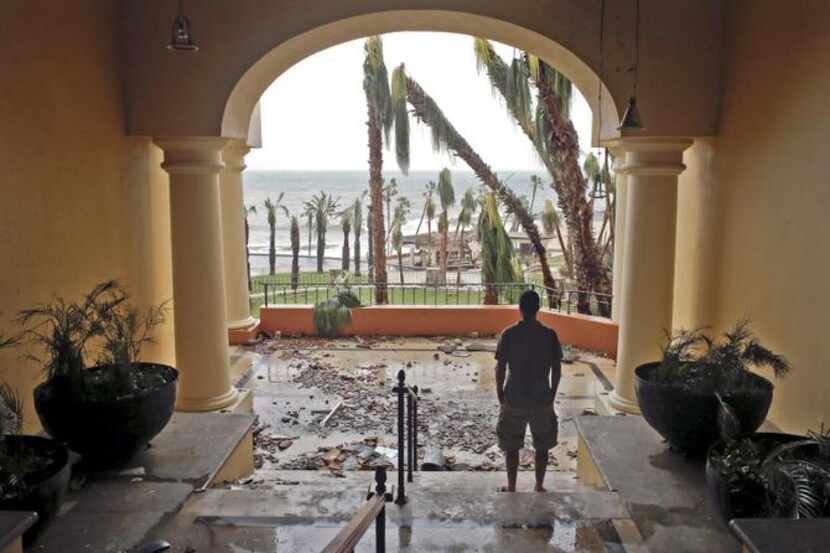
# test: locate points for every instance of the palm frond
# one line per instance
(11, 411)
(401, 118)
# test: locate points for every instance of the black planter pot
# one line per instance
(741, 496)
(107, 433)
(687, 419)
(45, 487)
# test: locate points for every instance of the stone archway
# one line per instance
(250, 87)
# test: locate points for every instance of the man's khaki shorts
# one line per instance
(544, 427)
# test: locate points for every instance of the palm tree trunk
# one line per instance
(321, 248)
(376, 191)
(295, 254)
(272, 250)
(370, 258)
(444, 246)
(346, 253)
(310, 228)
(357, 253)
(429, 242)
(418, 99)
(571, 189)
(400, 264)
(565, 250)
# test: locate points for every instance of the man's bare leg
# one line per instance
(512, 458)
(541, 468)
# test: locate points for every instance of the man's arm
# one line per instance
(501, 373)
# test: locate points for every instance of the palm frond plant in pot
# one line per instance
(769, 475)
(704, 388)
(331, 315)
(34, 471)
(98, 398)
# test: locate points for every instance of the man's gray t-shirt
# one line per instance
(532, 352)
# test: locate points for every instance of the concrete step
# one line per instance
(462, 481)
(304, 520)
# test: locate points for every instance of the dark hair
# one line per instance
(529, 303)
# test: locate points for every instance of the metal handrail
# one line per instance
(456, 294)
(407, 434)
(374, 510)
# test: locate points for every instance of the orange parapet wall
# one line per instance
(582, 331)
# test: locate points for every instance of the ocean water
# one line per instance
(346, 186)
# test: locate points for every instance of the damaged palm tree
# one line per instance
(547, 125)
(379, 124)
(446, 138)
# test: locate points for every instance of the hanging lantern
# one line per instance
(631, 118)
(631, 121)
(181, 37)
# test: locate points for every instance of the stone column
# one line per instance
(194, 165)
(651, 167)
(233, 237)
(619, 227)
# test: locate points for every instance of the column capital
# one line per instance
(194, 155)
(234, 155)
(653, 155)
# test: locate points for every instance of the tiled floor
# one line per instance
(462, 379)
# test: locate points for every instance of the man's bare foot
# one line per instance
(540, 488)
(507, 489)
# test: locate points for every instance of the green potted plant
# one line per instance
(704, 388)
(332, 315)
(97, 397)
(769, 475)
(34, 471)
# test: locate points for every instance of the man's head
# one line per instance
(529, 304)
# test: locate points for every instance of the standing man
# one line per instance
(532, 354)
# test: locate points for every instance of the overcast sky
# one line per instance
(314, 115)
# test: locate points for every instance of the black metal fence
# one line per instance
(506, 293)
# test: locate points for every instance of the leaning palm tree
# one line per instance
(397, 244)
(246, 211)
(308, 213)
(550, 222)
(429, 209)
(427, 201)
(357, 222)
(548, 127)
(389, 192)
(446, 194)
(535, 185)
(469, 204)
(346, 227)
(272, 208)
(325, 207)
(446, 138)
(378, 104)
(497, 258)
(295, 252)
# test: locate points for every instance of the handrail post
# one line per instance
(415, 430)
(409, 444)
(401, 390)
(380, 521)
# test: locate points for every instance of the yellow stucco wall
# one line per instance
(767, 255)
(76, 191)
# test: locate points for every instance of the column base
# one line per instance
(208, 404)
(623, 404)
(243, 323)
(243, 334)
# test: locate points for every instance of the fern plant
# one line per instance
(102, 326)
(695, 361)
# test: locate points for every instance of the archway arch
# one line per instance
(249, 88)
